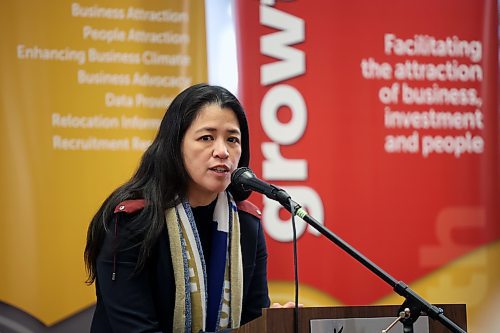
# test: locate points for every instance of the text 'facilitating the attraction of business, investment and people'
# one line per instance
(429, 94)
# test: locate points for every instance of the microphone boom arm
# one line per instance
(413, 300)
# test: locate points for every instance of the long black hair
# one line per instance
(161, 178)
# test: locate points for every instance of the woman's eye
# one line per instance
(206, 138)
(234, 139)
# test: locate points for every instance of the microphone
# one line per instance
(245, 179)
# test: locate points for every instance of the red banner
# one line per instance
(381, 118)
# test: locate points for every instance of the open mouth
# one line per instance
(220, 169)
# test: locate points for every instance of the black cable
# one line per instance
(296, 270)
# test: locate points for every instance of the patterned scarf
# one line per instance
(225, 272)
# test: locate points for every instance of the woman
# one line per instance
(176, 249)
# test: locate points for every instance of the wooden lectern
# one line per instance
(281, 320)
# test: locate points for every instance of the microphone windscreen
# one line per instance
(237, 190)
(235, 177)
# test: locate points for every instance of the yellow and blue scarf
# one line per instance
(192, 310)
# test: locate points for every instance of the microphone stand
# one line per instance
(414, 302)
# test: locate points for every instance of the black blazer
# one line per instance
(144, 302)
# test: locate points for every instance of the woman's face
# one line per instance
(211, 150)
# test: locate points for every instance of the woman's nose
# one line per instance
(220, 149)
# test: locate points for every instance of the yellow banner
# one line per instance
(83, 87)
